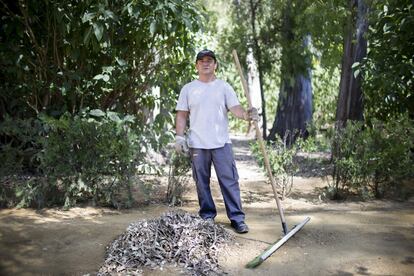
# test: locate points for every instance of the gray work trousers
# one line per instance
(225, 167)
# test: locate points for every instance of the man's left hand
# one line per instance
(181, 146)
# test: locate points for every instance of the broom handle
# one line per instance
(261, 144)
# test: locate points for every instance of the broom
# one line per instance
(288, 234)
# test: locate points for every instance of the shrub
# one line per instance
(281, 161)
(371, 160)
(178, 178)
(90, 156)
(20, 145)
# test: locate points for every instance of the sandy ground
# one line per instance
(348, 238)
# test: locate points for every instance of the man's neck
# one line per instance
(206, 78)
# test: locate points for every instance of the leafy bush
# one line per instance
(372, 160)
(19, 145)
(388, 68)
(91, 156)
(281, 161)
(178, 178)
(34, 191)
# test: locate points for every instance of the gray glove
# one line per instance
(181, 144)
(252, 114)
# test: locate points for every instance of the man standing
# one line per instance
(206, 102)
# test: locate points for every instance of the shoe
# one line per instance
(240, 227)
(209, 220)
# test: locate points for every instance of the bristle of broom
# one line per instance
(255, 262)
(258, 260)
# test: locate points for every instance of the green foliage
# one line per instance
(325, 85)
(70, 71)
(20, 145)
(281, 161)
(27, 191)
(178, 178)
(92, 156)
(20, 150)
(315, 142)
(388, 70)
(322, 20)
(61, 56)
(372, 161)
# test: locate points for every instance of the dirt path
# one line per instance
(354, 238)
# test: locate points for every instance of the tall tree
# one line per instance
(252, 32)
(350, 100)
(294, 110)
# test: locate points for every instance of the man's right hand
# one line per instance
(181, 144)
(252, 114)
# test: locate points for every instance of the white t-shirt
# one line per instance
(208, 104)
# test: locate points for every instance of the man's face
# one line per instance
(206, 65)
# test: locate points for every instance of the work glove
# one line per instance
(252, 114)
(181, 144)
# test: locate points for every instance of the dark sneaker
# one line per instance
(240, 227)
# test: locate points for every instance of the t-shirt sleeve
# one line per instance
(182, 103)
(231, 97)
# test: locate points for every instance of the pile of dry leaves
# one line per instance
(177, 238)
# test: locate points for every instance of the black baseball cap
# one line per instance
(206, 53)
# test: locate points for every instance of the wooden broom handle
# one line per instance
(260, 139)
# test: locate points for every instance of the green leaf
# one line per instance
(188, 23)
(129, 118)
(97, 113)
(98, 29)
(114, 117)
(98, 77)
(88, 16)
(121, 61)
(107, 69)
(153, 27)
(109, 14)
(104, 77)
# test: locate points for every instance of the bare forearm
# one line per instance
(181, 122)
(239, 112)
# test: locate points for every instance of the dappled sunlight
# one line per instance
(57, 215)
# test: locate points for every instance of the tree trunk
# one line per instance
(253, 82)
(294, 109)
(350, 100)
